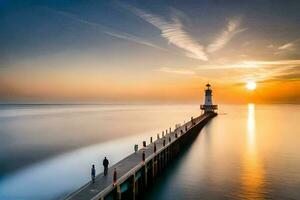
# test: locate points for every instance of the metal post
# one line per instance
(115, 177)
(146, 174)
(151, 140)
(133, 187)
(144, 157)
(144, 143)
(118, 192)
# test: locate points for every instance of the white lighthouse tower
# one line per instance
(208, 105)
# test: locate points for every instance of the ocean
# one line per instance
(246, 152)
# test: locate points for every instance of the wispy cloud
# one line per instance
(232, 28)
(239, 65)
(176, 71)
(250, 64)
(290, 75)
(275, 62)
(174, 33)
(107, 30)
(132, 38)
(286, 46)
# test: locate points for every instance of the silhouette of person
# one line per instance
(93, 173)
(105, 165)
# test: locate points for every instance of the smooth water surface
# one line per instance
(246, 152)
(251, 152)
(47, 150)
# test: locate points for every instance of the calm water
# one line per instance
(247, 152)
(252, 152)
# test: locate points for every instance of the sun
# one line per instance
(251, 85)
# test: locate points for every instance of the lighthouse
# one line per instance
(208, 105)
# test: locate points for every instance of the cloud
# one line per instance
(174, 33)
(132, 38)
(286, 46)
(176, 71)
(241, 65)
(251, 64)
(232, 28)
(288, 76)
(107, 30)
(258, 70)
(275, 62)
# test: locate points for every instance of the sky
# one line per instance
(110, 51)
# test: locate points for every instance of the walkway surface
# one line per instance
(125, 166)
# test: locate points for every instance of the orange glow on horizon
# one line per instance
(66, 86)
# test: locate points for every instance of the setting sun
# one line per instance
(251, 85)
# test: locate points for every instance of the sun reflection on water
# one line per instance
(251, 127)
(252, 174)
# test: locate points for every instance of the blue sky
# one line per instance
(139, 44)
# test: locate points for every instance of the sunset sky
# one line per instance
(149, 51)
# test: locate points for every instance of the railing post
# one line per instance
(151, 140)
(144, 157)
(146, 174)
(133, 187)
(115, 176)
(119, 192)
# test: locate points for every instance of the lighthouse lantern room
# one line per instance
(208, 105)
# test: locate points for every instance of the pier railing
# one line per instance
(166, 150)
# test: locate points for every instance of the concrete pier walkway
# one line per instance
(131, 165)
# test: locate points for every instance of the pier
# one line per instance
(135, 173)
(130, 177)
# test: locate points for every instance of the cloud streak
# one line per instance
(232, 28)
(250, 64)
(174, 33)
(275, 62)
(286, 46)
(107, 30)
(176, 71)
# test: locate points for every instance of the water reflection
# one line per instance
(251, 127)
(252, 175)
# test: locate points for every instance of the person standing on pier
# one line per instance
(93, 173)
(105, 165)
